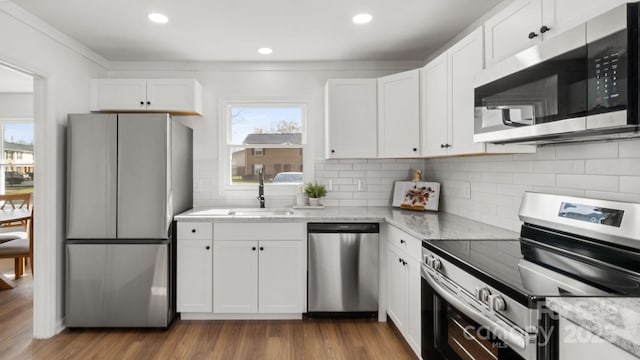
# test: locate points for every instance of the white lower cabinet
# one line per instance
(194, 266)
(235, 280)
(403, 284)
(259, 268)
(258, 276)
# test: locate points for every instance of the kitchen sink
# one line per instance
(261, 212)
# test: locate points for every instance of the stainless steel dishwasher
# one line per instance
(343, 268)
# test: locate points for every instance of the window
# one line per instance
(17, 164)
(268, 136)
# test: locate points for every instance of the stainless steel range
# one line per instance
(485, 299)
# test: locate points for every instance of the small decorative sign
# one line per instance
(416, 195)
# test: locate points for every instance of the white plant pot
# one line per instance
(314, 201)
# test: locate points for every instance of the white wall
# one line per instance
(16, 105)
(66, 77)
(603, 170)
(297, 81)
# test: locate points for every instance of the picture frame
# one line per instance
(418, 196)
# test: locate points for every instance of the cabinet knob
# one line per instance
(208, 247)
(333, 151)
(402, 241)
(148, 102)
(261, 248)
(400, 260)
(532, 35)
(544, 29)
(193, 230)
(141, 102)
(253, 248)
(415, 149)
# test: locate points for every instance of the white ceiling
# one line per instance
(232, 30)
(13, 81)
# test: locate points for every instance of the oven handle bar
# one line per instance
(505, 334)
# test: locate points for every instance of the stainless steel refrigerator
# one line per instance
(127, 175)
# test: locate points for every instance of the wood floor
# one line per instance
(307, 339)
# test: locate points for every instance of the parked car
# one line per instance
(288, 178)
(13, 178)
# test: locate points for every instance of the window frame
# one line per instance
(226, 189)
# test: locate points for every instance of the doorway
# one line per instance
(17, 160)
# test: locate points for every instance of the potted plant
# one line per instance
(315, 191)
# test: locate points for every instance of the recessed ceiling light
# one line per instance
(363, 18)
(265, 51)
(158, 18)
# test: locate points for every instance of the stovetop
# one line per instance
(528, 279)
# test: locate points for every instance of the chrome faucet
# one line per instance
(261, 187)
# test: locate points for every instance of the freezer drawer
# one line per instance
(343, 272)
(117, 285)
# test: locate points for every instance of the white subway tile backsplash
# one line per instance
(613, 166)
(630, 184)
(613, 196)
(559, 166)
(535, 179)
(588, 182)
(337, 166)
(593, 150)
(559, 191)
(630, 148)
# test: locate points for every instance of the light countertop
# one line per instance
(423, 225)
(616, 320)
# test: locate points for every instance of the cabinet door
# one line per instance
(119, 94)
(414, 306)
(562, 15)
(435, 107)
(351, 118)
(235, 276)
(194, 269)
(396, 288)
(508, 31)
(174, 95)
(465, 61)
(577, 342)
(281, 285)
(399, 114)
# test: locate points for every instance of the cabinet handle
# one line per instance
(544, 29)
(208, 247)
(193, 230)
(402, 241)
(333, 151)
(444, 146)
(253, 248)
(404, 263)
(141, 102)
(261, 248)
(415, 149)
(532, 35)
(148, 102)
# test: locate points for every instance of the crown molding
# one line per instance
(265, 66)
(42, 27)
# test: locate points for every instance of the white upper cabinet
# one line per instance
(515, 28)
(351, 119)
(447, 92)
(180, 96)
(435, 107)
(525, 23)
(561, 15)
(465, 61)
(399, 115)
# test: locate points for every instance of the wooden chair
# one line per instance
(17, 244)
(15, 201)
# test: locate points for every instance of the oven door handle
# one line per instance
(505, 334)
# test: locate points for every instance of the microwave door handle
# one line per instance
(506, 119)
(508, 335)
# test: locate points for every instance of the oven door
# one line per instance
(448, 332)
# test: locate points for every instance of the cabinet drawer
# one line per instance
(403, 241)
(195, 230)
(259, 231)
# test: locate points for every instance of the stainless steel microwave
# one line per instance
(579, 85)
